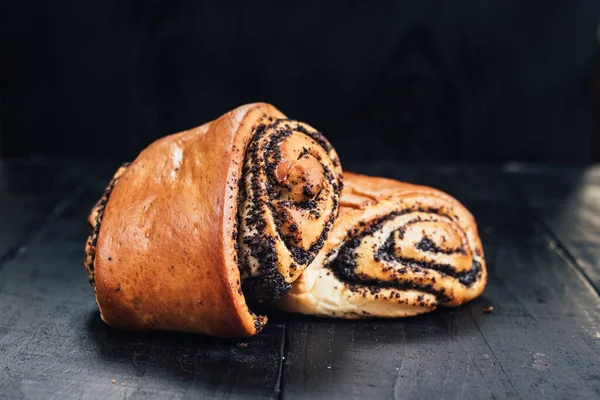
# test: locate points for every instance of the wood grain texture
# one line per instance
(54, 345)
(541, 341)
(568, 206)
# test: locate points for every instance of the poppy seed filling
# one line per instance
(344, 263)
(266, 204)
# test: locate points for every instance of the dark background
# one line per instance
(469, 81)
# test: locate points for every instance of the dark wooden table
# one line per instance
(541, 232)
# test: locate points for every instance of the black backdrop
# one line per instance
(478, 81)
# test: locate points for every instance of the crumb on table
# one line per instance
(114, 381)
(241, 345)
(488, 309)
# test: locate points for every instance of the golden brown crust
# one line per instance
(396, 250)
(166, 252)
(164, 257)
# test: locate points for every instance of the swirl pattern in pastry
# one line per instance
(289, 194)
(396, 250)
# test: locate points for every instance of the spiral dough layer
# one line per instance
(397, 250)
(288, 201)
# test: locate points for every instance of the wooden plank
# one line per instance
(568, 204)
(30, 193)
(54, 345)
(542, 340)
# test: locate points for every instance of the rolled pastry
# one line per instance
(396, 250)
(207, 219)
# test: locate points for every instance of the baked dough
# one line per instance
(396, 250)
(207, 219)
